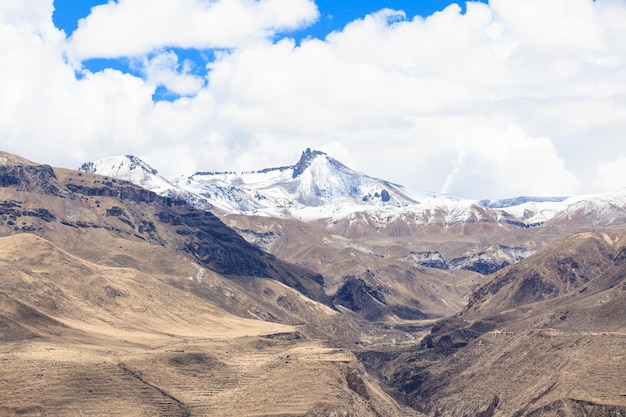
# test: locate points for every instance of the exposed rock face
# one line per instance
(10, 210)
(485, 262)
(368, 296)
(358, 296)
(124, 191)
(222, 249)
(554, 272)
(305, 161)
(430, 259)
(35, 179)
(491, 260)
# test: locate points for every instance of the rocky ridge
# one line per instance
(319, 187)
(122, 208)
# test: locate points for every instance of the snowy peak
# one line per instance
(320, 187)
(129, 168)
(118, 166)
(319, 179)
(307, 159)
(315, 181)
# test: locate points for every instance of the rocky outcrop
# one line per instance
(10, 210)
(356, 295)
(555, 272)
(305, 161)
(39, 179)
(124, 191)
(485, 262)
(368, 299)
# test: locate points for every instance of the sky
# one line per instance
(479, 99)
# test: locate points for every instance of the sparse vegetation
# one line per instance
(137, 305)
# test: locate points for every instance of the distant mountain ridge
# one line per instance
(517, 201)
(316, 180)
(320, 187)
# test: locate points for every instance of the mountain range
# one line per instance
(118, 300)
(318, 187)
(322, 191)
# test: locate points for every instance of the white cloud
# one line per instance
(505, 163)
(137, 27)
(47, 114)
(461, 102)
(165, 70)
(611, 175)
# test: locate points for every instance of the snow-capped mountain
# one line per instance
(306, 189)
(129, 168)
(132, 169)
(320, 187)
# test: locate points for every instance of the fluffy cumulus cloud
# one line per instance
(511, 97)
(507, 161)
(611, 174)
(165, 70)
(134, 27)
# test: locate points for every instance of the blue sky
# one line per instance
(479, 99)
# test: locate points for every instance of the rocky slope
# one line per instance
(116, 300)
(83, 338)
(542, 338)
(62, 204)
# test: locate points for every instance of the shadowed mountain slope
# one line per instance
(64, 205)
(117, 301)
(376, 281)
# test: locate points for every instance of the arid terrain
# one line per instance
(545, 337)
(103, 317)
(115, 301)
(83, 339)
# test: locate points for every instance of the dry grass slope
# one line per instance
(80, 338)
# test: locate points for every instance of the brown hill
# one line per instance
(66, 206)
(555, 271)
(374, 278)
(545, 337)
(82, 338)
(116, 302)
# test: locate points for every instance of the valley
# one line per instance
(131, 301)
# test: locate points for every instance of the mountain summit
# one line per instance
(308, 157)
(129, 168)
(305, 161)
